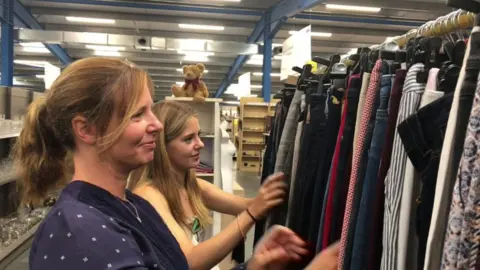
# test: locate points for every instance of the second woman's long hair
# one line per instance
(159, 172)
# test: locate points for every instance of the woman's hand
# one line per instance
(277, 247)
(271, 194)
(326, 260)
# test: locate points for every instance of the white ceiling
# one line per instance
(155, 18)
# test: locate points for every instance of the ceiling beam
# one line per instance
(27, 19)
(158, 6)
(280, 11)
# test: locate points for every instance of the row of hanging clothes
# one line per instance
(381, 151)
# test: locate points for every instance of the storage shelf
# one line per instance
(9, 135)
(189, 99)
(12, 251)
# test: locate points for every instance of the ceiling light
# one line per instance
(254, 62)
(32, 44)
(194, 58)
(314, 34)
(202, 27)
(107, 53)
(32, 63)
(353, 8)
(196, 53)
(181, 70)
(255, 86)
(40, 76)
(89, 20)
(261, 74)
(180, 83)
(105, 48)
(35, 50)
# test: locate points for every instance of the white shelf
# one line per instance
(191, 99)
(9, 135)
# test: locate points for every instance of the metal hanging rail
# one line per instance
(457, 20)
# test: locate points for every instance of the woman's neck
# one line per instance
(180, 176)
(101, 174)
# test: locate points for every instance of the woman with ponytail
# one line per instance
(99, 113)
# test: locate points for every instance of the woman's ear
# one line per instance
(84, 131)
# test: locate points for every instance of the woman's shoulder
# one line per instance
(152, 195)
(77, 234)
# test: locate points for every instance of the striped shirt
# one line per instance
(411, 97)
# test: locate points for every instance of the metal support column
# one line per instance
(7, 43)
(267, 60)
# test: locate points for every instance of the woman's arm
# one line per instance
(209, 253)
(221, 201)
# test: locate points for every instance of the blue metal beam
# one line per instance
(7, 43)
(27, 19)
(276, 15)
(267, 61)
(337, 18)
(147, 6)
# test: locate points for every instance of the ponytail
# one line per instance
(39, 155)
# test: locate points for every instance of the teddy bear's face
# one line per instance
(193, 71)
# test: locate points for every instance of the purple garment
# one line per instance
(89, 228)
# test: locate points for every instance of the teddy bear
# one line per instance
(193, 87)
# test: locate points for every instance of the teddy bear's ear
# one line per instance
(201, 67)
(185, 69)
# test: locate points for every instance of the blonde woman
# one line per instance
(184, 201)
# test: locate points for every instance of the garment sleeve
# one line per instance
(79, 240)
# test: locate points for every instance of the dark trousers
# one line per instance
(312, 137)
(363, 229)
(323, 168)
(271, 152)
(422, 135)
(333, 225)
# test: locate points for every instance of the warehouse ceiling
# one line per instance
(231, 21)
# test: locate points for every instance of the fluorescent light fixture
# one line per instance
(32, 44)
(196, 53)
(255, 62)
(107, 53)
(35, 50)
(181, 70)
(105, 48)
(194, 58)
(32, 63)
(89, 20)
(261, 74)
(353, 8)
(202, 27)
(255, 86)
(314, 34)
(40, 76)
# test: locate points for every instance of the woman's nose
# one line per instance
(155, 125)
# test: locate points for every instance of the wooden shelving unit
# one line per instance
(250, 141)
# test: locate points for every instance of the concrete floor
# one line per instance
(250, 183)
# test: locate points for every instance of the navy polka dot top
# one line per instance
(89, 228)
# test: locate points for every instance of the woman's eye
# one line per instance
(137, 115)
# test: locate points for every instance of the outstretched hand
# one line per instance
(278, 246)
(270, 194)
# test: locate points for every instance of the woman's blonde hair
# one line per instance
(100, 89)
(159, 173)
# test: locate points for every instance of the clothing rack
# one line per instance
(454, 21)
